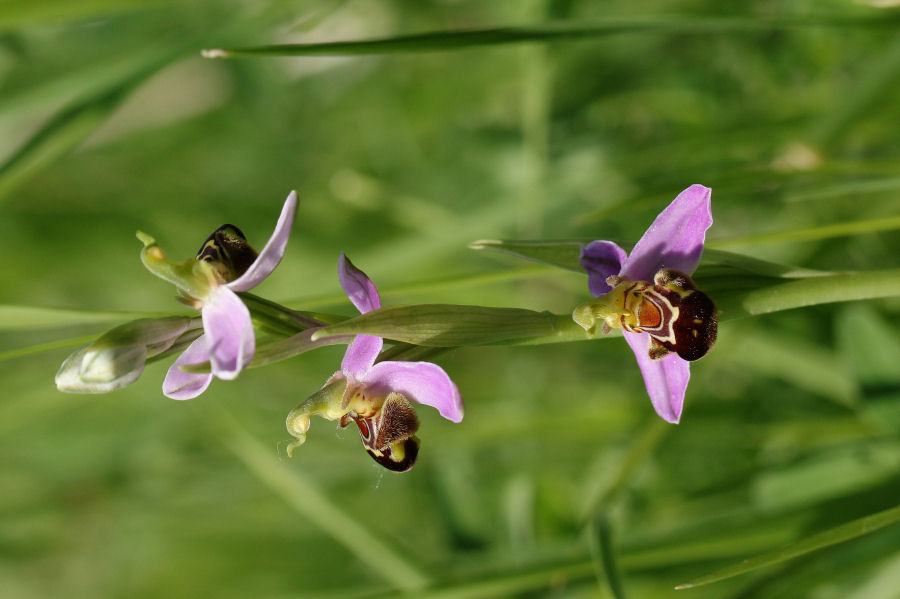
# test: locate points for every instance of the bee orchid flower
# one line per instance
(225, 265)
(649, 295)
(377, 396)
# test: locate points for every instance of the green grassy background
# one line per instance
(110, 121)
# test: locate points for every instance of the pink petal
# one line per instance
(675, 239)
(601, 259)
(666, 379)
(360, 356)
(421, 382)
(228, 331)
(358, 287)
(188, 385)
(271, 254)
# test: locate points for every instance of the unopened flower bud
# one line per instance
(118, 357)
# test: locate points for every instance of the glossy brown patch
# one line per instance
(649, 316)
(696, 327)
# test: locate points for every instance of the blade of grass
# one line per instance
(565, 254)
(69, 128)
(302, 494)
(490, 278)
(42, 347)
(809, 292)
(19, 13)
(18, 318)
(859, 227)
(833, 536)
(602, 497)
(604, 555)
(454, 40)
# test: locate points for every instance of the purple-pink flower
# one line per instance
(649, 290)
(228, 341)
(374, 395)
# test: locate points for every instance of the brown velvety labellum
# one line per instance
(388, 436)
(387, 458)
(696, 326)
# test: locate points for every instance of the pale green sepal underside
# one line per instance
(193, 277)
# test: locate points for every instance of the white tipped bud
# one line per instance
(117, 358)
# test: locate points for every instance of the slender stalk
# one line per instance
(554, 32)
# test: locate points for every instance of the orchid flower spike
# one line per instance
(225, 265)
(649, 294)
(377, 396)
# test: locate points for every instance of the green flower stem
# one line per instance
(448, 325)
(303, 496)
(277, 317)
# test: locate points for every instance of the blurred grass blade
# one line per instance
(454, 40)
(448, 325)
(836, 535)
(859, 227)
(302, 494)
(717, 261)
(872, 83)
(43, 347)
(68, 129)
(810, 291)
(428, 286)
(20, 318)
(565, 254)
(562, 254)
(601, 497)
(805, 364)
(19, 13)
(605, 562)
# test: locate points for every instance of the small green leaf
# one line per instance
(448, 325)
(833, 536)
